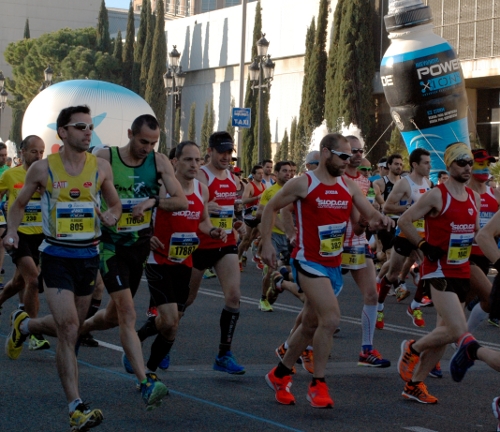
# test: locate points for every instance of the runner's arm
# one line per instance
(485, 238)
(400, 192)
(205, 225)
(177, 200)
(111, 216)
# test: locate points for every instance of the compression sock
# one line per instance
(368, 320)
(228, 319)
(160, 348)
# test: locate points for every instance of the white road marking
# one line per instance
(418, 429)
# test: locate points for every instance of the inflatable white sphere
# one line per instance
(113, 109)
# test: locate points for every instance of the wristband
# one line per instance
(157, 200)
(421, 243)
(210, 232)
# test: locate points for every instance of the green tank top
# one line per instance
(133, 184)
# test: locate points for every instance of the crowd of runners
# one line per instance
(80, 221)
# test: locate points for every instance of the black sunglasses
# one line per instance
(464, 162)
(364, 168)
(356, 150)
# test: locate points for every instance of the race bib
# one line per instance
(460, 247)
(75, 221)
(182, 245)
(127, 223)
(331, 238)
(250, 212)
(353, 257)
(223, 218)
(32, 214)
(419, 225)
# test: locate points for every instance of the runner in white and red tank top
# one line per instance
(323, 202)
(223, 256)
(357, 258)
(169, 265)
(451, 219)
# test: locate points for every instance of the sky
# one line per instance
(123, 4)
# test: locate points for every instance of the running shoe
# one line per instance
(307, 358)
(260, 265)
(281, 387)
(227, 363)
(152, 312)
(372, 358)
(494, 322)
(83, 418)
(15, 340)
(318, 395)
(88, 341)
(244, 260)
(275, 289)
(256, 259)
(402, 292)
(415, 274)
(165, 363)
(264, 305)
(407, 361)
(153, 391)
(209, 274)
(392, 291)
(380, 320)
(127, 365)
(496, 410)
(280, 352)
(38, 342)
(416, 316)
(461, 362)
(419, 393)
(426, 301)
(436, 371)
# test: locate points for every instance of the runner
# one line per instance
(222, 255)
(3, 168)
(169, 264)
(125, 247)
(26, 257)
(70, 183)
(323, 203)
(267, 180)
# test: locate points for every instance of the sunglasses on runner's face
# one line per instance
(341, 155)
(364, 168)
(81, 126)
(356, 150)
(464, 162)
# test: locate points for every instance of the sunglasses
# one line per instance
(341, 155)
(81, 126)
(464, 162)
(313, 163)
(360, 150)
(364, 168)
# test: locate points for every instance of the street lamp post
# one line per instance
(48, 73)
(174, 81)
(3, 96)
(261, 75)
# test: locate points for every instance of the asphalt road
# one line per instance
(366, 399)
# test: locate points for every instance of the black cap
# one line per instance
(408, 18)
(221, 142)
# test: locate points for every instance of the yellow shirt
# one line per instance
(12, 181)
(266, 197)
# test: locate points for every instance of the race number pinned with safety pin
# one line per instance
(182, 245)
(331, 238)
(75, 221)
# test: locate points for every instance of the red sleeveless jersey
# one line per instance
(224, 193)
(321, 222)
(453, 231)
(177, 231)
(256, 193)
(489, 206)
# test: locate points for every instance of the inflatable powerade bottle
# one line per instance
(423, 83)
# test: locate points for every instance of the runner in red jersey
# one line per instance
(357, 258)
(323, 202)
(451, 218)
(222, 255)
(175, 238)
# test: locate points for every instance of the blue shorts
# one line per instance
(315, 270)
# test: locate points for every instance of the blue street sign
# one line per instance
(242, 117)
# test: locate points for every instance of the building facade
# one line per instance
(185, 8)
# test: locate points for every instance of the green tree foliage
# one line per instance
(139, 47)
(304, 126)
(147, 52)
(103, 39)
(248, 139)
(17, 122)
(230, 128)
(293, 151)
(397, 145)
(128, 50)
(192, 123)
(155, 91)
(118, 49)
(282, 154)
(205, 130)
(353, 67)
(495, 171)
(27, 29)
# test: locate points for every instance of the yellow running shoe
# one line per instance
(15, 340)
(83, 418)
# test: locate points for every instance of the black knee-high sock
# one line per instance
(160, 348)
(228, 319)
(95, 304)
(148, 329)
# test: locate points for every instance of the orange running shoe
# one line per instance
(281, 386)
(407, 361)
(308, 361)
(419, 393)
(318, 395)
